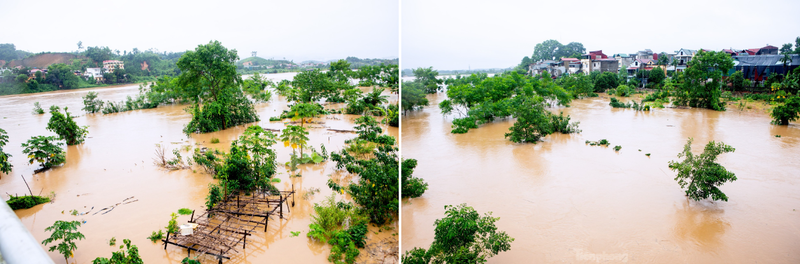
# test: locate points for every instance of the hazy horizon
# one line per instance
(297, 30)
(455, 35)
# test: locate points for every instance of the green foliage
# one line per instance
(602, 142)
(701, 175)
(484, 99)
(294, 136)
(37, 109)
(736, 80)
(231, 109)
(256, 86)
(579, 85)
(412, 186)
(368, 129)
(61, 76)
(463, 125)
(275, 119)
(63, 233)
(412, 96)
(534, 122)
(214, 140)
(210, 160)
(184, 211)
(294, 233)
(208, 74)
(329, 224)
(251, 162)
(91, 104)
(187, 260)
(65, 127)
(5, 165)
(112, 241)
(305, 111)
(172, 226)
(606, 80)
(156, 236)
(624, 91)
(427, 78)
(617, 148)
(45, 150)
(656, 77)
(311, 86)
(463, 236)
(25, 202)
(214, 196)
(119, 257)
(787, 112)
(554, 50)
(697, 90)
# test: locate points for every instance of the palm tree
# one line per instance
(787, 58)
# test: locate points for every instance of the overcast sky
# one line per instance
(299, 30)
(457, 34)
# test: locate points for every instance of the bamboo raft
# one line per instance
(222, 229)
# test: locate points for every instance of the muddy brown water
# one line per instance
(565, 201)
(116, 162)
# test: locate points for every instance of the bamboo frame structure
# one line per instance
(221, 230)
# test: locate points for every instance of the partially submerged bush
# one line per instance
(25, 202)
(45, 150)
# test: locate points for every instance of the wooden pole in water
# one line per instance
(292, 194)
(191, 220)
(281, 205)
(166, 242)
(26, 184)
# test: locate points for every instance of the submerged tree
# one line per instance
(463, 236)
(45, 150)
(787, 112)
(65, 126)
(209, 78)
(91, 104)
(427, 77)
(412, 186)
(701, 175)
(5, 165)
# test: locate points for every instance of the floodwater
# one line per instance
(565, 201)
(116, 162)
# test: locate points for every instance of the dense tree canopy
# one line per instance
(702, 80)
(553, 50)
(412, 96)
(427, 77)
(209, 78)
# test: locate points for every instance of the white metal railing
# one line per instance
(17, 245)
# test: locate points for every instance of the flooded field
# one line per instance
(565, 201)
(116, 162)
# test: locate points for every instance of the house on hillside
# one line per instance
(94, 73)
(110, 65)
(759, 67)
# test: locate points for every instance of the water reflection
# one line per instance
(701, 223)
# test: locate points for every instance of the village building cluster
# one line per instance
(756, 64)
